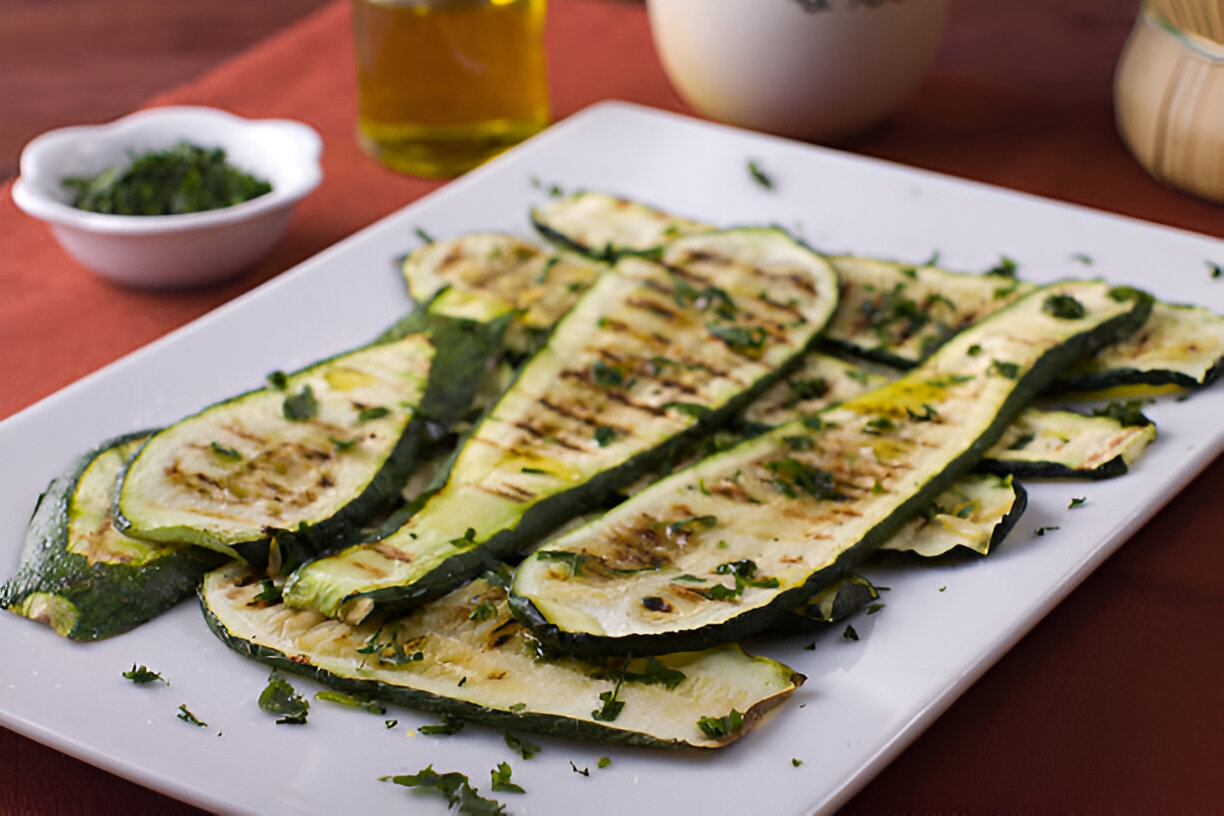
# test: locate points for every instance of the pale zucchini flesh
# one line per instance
(465, 655)
(720, 549)
(653, 354)
(973, 515)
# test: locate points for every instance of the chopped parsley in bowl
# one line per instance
(144, 179)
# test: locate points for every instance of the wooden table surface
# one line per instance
(1113, 703)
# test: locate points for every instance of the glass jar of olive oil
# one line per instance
(443, 85)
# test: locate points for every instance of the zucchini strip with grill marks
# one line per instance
(464, 655)
(315, 454)
(653, 355)
(1040, 444)
(541, 285)
(720, 549)
(504, 269)
(83, 577)
(898, 313)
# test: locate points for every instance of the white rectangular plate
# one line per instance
(863, 702)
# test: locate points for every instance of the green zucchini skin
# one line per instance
(612, 366)
(477, 663)
(316, 481)
(579, 593)
(82, 577)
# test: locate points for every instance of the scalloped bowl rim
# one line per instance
(293, 169)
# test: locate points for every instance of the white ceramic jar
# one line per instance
(808, 69)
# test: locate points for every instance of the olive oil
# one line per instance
(444, 85)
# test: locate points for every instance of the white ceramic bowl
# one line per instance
(807, 69)
(170, 251)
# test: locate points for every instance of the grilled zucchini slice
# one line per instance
(653, 355)
(464, 655)
(1064, 444)
(540, 285)
(315, 454)
(83, 577)
(898, 313)
(974, 514)
(720, 549)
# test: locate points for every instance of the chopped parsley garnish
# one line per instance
(799, 442)
(710, 297)
(278, 380)
(759, 175)
(718, 728)
(425, 237)
(603, 762)
(459, 793)
(524, 748)
(1216, 269)
(874, 608)
(572, 559)
(685, 525)
(740, 338)
(1080, 257)
(604, 435)
(1005, 268)
(577, 770)
(1064, 307)
(1127, 414)
(143, 675)
(1077, 501)
(187, 717)
(390, 724)
(279, 697)
(391, 651)
(466, 540)
(269, 592)
(1040, 531)
(611, 707)
(928, 413)
(353, 701)
(806, 388)
(605, 376)
(343, 444)
(878, 424)
(301, 406)
(483, 611)
(849, 634)
(373, 412)
(790, 477)
(690, 409)
(1005, 369)
(744, 571)
(183, 179)
(796, 762)
(224, 452)
(449, 725)
(501, 779)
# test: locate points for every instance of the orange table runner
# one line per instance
(1112, 704)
